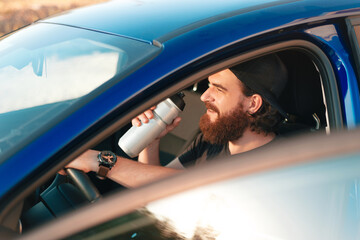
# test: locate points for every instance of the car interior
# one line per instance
(303, 99)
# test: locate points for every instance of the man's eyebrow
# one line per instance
(219, 86)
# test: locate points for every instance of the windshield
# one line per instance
(46, 68)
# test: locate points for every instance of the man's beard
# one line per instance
(229, 127)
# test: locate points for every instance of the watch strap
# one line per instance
(102, 172)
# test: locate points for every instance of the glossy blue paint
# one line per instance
(149, 20)
(347, 83)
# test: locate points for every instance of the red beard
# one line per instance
(229, 127)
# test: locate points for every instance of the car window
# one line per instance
(51, 74)
(303, 99)
(311, 201)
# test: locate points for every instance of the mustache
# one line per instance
(212, 107)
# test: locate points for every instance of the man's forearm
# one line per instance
(150, 155)
(125, 172)
(132, 174)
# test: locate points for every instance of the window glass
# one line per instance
(46, 68)
(313, 201)
(61, 71)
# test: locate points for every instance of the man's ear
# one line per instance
(255, 102)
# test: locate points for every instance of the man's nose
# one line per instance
(206, 96)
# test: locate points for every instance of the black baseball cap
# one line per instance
(266, 76)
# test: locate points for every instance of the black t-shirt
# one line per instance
(200, 151)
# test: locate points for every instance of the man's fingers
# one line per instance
(177, 120)
(144, 117)
(174, 124)
(136, 122)
(149, 114)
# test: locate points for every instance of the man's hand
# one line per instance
(149, 114)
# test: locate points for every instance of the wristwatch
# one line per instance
(107, 160)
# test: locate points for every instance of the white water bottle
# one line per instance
(138, 138)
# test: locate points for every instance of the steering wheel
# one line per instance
(84, 184)
(60, 197)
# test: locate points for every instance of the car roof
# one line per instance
(161, 20)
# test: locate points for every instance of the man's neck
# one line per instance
(250, 140)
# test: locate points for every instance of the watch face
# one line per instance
(108, 158)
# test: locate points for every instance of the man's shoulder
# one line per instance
(270, 144)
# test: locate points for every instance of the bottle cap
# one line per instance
(178, 100)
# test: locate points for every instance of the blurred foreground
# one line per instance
(15, 14)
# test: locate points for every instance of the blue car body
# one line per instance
(184, 37)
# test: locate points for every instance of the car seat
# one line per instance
(302, 98)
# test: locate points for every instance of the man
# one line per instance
(242, 115)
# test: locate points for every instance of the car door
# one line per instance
(272, 194)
